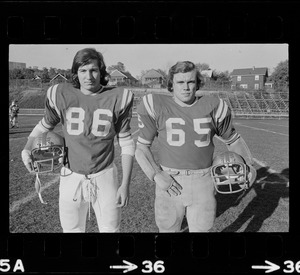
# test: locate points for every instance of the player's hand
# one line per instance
(251, 175)
(122, 198)
(167, 183)
(27, 160)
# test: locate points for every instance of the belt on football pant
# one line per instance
(185, 172)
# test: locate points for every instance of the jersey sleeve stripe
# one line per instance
(224, 112)
(143, 141)
(45, 125)
(124, 139)
(219, 110)
(126, 99)
(148, 102)
(124, 135)
(51, 95)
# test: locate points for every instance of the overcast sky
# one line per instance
(138, 57)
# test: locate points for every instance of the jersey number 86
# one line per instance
(75, 121)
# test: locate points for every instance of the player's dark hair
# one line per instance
(183, 67)
(84, 57)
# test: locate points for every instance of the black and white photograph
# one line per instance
(148, 138)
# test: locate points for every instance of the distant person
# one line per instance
(184, 126)
(13, 113)
(91, 115)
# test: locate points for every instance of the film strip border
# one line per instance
(148, 22)
(164, 253)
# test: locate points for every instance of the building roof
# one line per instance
(250, 71)
(125, 74)
(153, 74)
(129, 76)
(57, 75)
(117, 73)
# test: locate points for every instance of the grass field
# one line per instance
(263, 208)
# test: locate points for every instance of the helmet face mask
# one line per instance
(48, 152)
(229, 173)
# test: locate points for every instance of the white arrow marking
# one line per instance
(270, 267)
(128, 267)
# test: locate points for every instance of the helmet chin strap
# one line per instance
(38, 188)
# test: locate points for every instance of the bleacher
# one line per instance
(247, 104)
(243, 104)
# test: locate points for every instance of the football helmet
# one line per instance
(48, 152)
(229, 173)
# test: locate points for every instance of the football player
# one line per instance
(184, 126)
(91, 115)
(13, 112)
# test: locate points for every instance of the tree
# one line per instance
(222, 77)
(67, 73)
(51, 72)
(28, 73)
(16, 74)
(45, 75)
(202, 66)
(120, 66)
(280, 75)
(163, 73)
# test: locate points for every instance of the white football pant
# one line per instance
(75, 192)
(14, 121)
(197, 201)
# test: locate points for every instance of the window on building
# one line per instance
(256, 86)
(239, 78)
(244, 86)
(257, 77)
(269, 85)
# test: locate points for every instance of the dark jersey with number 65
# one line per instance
(90, 123)
(185, 134)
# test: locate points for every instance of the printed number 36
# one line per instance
(157, 267)
(171, 132)
(75, 121)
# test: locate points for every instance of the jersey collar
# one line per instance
(182, 104)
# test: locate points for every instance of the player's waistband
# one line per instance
(66, 171)
(185, 172)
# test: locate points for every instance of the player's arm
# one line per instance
(154, 172)
(127, 145)
(143, 154)
(47, 123)
(233, 140)
(240, 147)
(146, 161)
(147, 132)
(127, 154)
(26, 152)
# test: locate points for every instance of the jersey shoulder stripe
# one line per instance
(148, 103)
(51, 96)
(143, 141)
(221, 111)
(126, 99)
